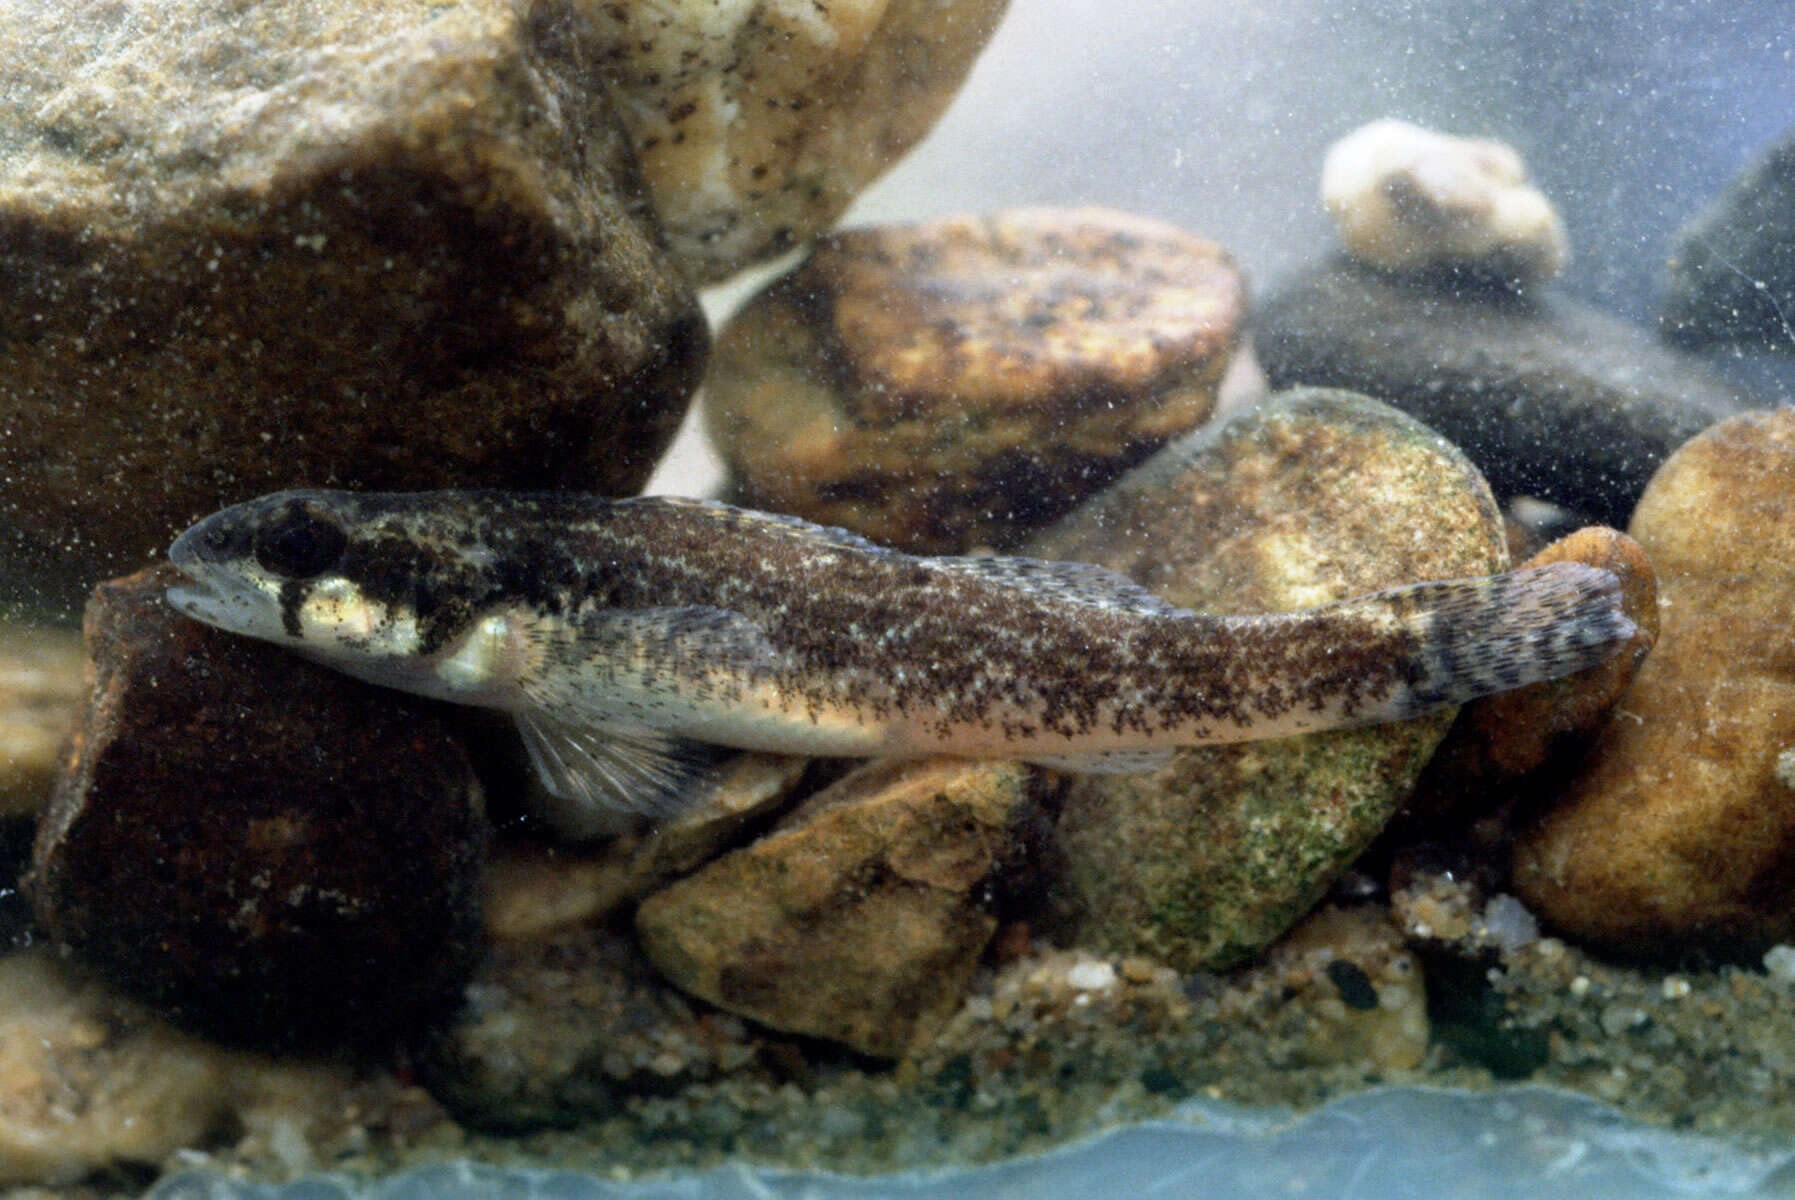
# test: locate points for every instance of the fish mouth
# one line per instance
(196, 596)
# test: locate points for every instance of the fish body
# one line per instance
(618, 632)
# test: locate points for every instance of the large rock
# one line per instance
(1681, 834)
(265, 849)
(1547, 397)
(1316, 497)
(1732, 271)
(860, 918)
(757, 123)
(385, 246)
(956, 384)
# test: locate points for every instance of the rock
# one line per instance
(40, 689)
(1410, 200)
(91, 1083)
(952, 385)
(1678, 834)
(757, 123)
(568, 1027)
(1316, 497)
(267, 850)
(1732, 271)
(1549, 398)
(379, 246)
(1500, 742)
(861, 916)
(533, 888)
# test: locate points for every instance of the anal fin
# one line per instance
(602, 774)
(1108, 762)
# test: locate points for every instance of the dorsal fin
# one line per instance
(1069, 582)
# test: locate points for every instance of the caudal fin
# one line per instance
(1479, 636)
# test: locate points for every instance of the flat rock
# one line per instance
(1678, 836)
(381, 246)
(267, 850)
(955, 384)
(757, 123)
(861, 916)
(1732, 272)
(1549, 398)
(40, 691)
(1318, 496)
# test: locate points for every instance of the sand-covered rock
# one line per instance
(955, 384)
(270, 851)
(861, 916)
(398, 245)
(40, 690)
(757, 123)
(1678, 834)
(1411, 200)
(1549, 398)
(1317, 496)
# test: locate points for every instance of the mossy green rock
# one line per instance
(1315, 497)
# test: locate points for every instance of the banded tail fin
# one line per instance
(1500, 632)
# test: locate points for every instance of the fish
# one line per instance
(628, 637)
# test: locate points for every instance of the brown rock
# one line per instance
(381, 246)
(860, 918)
(1679, 834)
(952, 385)
(758, 123)
(270, 851)
(1319, 496)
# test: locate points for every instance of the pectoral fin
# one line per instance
(600, 772)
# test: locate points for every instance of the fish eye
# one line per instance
(300, 545)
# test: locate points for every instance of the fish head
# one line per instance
(360, 582)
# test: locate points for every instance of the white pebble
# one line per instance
(1091, 976)
(1779, 963)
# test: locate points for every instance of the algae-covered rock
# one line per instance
(858, 919)
(1681, 832)
(1318, 496)
(955, 384)
(382, 246)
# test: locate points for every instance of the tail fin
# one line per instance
(1479, 636)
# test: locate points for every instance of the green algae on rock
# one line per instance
(1678, 836)
(1315, 497)
(952, 385)
(398, 245)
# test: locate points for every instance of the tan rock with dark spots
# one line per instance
(758, 123)
(860, 918)
(266, 850)
(952, 385)
(1679, 833)
(1318, 496)
(383, 246)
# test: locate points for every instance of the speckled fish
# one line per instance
(617, 632)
